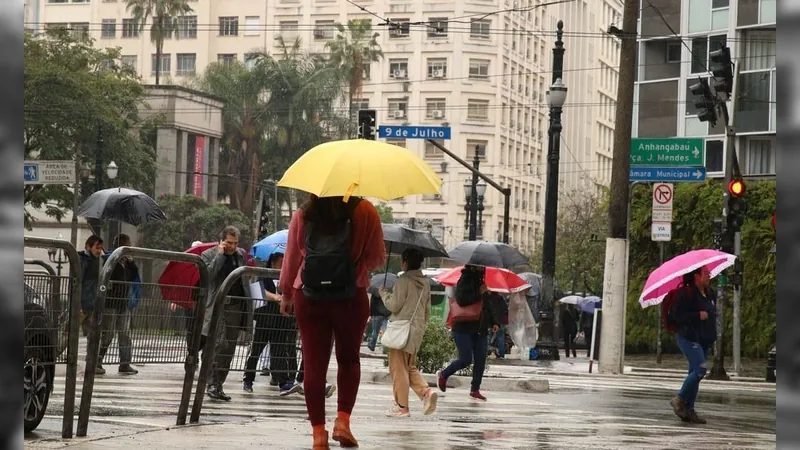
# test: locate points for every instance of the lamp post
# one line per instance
(56, 257)
(467, 209)
(549, 314)
(112, 170)
(480, 189)
(473, 196)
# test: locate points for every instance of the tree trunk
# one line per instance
(159, 48)
(248, 198)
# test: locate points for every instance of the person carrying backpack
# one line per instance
(690, 312)
(332, 246)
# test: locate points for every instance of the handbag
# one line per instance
(469, 313)
(397, 331)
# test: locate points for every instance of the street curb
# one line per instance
(527, 385)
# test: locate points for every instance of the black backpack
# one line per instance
(329, 272)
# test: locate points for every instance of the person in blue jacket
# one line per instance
(695, 316)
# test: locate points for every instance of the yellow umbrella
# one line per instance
(361, 168)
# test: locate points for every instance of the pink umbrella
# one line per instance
(669, 275)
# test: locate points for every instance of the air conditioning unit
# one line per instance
(438, 73)
(399, 73)
(399, 114)
(438, 114)
(437, 196)
(319, 34)
(396, 31)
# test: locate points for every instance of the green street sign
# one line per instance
(683, 152)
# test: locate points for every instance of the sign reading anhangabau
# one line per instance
(49, 172)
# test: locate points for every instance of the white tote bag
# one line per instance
(398, 331)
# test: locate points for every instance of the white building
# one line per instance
(474, 66)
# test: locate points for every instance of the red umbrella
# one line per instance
(498, 280)
(178, 279)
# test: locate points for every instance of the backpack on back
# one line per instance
(667, 321)
(329, 272)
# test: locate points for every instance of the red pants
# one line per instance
(319, 322)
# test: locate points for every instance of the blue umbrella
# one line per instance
(274, 243)
(589, 304)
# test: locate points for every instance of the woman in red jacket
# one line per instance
(332, 246)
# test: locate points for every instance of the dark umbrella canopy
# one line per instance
(486, 253)
(399, 238)
(380, 280)
(124, 205)
(535, 280)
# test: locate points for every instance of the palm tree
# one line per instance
(163, 13)
(352, 51)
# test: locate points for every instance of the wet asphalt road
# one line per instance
(578, 412)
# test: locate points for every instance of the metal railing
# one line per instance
(73, 288)
(113, 294)
(218, 300)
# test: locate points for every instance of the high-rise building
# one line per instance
(676, 40)
(481, 67)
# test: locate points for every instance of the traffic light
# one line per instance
(263, 220)
(718, 230)
(737, 207)
(367, 124)
(719, 64)
(705, 102)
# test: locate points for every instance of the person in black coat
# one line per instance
(569, 327)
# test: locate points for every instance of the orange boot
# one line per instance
(341, 430)
(321, 438)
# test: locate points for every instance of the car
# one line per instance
(40, 353)
(772, 365)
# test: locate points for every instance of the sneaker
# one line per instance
(429, 402)
(289, 388)
(300, 389)
(126, 369)
(692, 417)
(217, 393)
(397, 411)
(477, 395)
(441, 381)
(99, 370)
(330, 389)
(678, 408)
(247, 386)
(274, 382)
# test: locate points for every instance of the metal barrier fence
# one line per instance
(52, 311)
(150, 325)
(281, 328)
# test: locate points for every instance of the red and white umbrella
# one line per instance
(502, 281)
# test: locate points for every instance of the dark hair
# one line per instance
(230, 230)
(93, 240)
(272, 258)
(121, 240)
(688, 278)
(413, 258)
(328, 214)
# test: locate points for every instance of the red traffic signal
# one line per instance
(736, 188)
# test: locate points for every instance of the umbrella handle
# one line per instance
(386, 272)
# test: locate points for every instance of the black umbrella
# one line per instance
(123, 205)
(386, 280)
(490, 254)
(399, 238)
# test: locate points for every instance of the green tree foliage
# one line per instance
(386, 212)
(192, 219)
(78, 101)
(695, 207)
(164, 14)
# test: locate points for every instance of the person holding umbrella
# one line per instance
(379, 315)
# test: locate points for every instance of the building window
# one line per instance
(108, 29)
(130, 29)
(760, 159)
(437, 229)
(701, 47)
(477, 109)
(367, 72)
(226, 59)
(437, 67)
(437, 27)
(398, 68)
(288, 30)
(187, 62)
(478, 68)
(187, 27)
(474, 145)
(673, 53)
(229, 26)
(130, 61)
(435, 108)
(480, 29)
(400, 28)
(398, 108)
(432, 151)
(251, 26)
(80, 29)
(397, 142)
(324, 30)
(165, 68)
(757, 102)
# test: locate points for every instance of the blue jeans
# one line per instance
(501, 341)
(696, 354)
(470, 346)
(378, 323)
